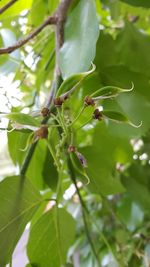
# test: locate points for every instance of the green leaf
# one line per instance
(9, 63)
(50, 238)
(142, 3)
(81, 34)
(17, 141)
(19, 201)
(21, 118)
(109, 92)
(118, 117)
(73, 81)
(49, 172)
(35, 169)
(107, 149)
(15, 9)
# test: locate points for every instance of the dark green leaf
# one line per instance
(19, 201)
(142, 3)
(118, 117)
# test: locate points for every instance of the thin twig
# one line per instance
(60, 16)
(9, 4)
(49, 21)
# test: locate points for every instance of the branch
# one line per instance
(60, 16)
(9, 4)
(10, 49)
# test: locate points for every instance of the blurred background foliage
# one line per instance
(118, 155)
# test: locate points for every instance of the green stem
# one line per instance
(84, 124)
(78, 116)
(61, 119)
(84, 210)
(53, 155)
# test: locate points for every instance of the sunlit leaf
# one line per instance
(81, 34)
(109, 91)
(50, 238)
(21, 118)
(73, 81)
(19, 201)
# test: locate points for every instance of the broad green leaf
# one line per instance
(16, 142)
(35, 169)
(142, 3)
(50, 239)
(106, 150)
(15, 9)
(130, 213)
(109, 92)
(19, 201)
(118, 117)
(49, 173)
(38, 12)
(138, 191)
(21, 118)
(11, 62)
(74, 81)
(81, 34)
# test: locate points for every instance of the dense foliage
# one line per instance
(82, 166)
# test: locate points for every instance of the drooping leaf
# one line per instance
(109, 92)
(118, 117)
(73, 81)
(50, 238)
(81, 33)
(19, 201)
(21, 118)
(17, 141)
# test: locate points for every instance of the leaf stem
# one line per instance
(84, 209)
(78, 116)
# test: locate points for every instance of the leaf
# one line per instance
(50, 239)
(142, 3)
(19, 201)
(15, 9)
(107, 149)
(81, 34)
(35, 169)
(73, 81)
(17, 141)
(49, 172)
(118, 117)
(21, 118)
(9, 63)
(109, 92)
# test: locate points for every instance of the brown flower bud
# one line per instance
(45, 112)
(71, 149)
(41, 133)
(97, 115)
(88, 101)
(58, 102)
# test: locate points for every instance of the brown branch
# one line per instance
(60, 16)
(9, 4)
(20, 43)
